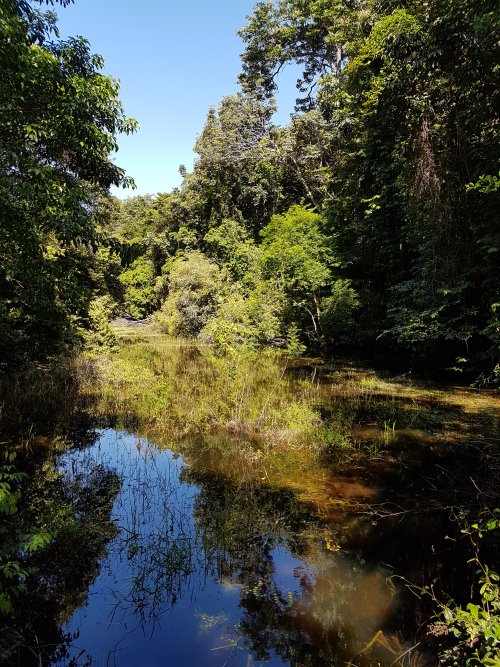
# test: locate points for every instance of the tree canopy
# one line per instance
(59, 120)
(372, 217)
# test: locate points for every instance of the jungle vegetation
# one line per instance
(370, 219)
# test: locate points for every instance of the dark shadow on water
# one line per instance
(62, 573)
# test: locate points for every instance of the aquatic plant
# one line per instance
(179, 387)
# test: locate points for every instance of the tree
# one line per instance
(408, 93)
(249, 169)
(233, 177)
(310, 33)
(414, 102)
(138, 279)
(59, 118)
(194, 287)
(297, 256)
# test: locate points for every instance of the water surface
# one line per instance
(244, 510)
(202, 571)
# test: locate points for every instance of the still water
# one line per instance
(240, 511)
(199, 570)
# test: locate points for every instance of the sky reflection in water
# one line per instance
(208, 574)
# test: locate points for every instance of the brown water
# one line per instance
(212, 549)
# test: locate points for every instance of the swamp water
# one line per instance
(224, 543)
(204, 573)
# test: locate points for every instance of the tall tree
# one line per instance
(409, 92)
(59, 119)
(311, 33)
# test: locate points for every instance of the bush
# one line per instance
(474, 630)
(100, 334)
(139, 283)
(253, 318)
(195, 285)
(230, 244)
(337, 321)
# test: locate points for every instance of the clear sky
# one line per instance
(174, 59)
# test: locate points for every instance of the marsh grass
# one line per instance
(395, 407)
(176, 390)
(179, 388)
(261, 417)
(38, 402)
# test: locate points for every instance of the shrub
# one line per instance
(253, 318)
(337, 322)
(195, 284)
(100, 334)
(139, 284)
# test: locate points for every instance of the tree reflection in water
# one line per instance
(327, 608)
(181, 562)
(61, 574)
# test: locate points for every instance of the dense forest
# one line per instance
(191, 359)
(371, 219)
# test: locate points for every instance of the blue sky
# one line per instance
(174, 60)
